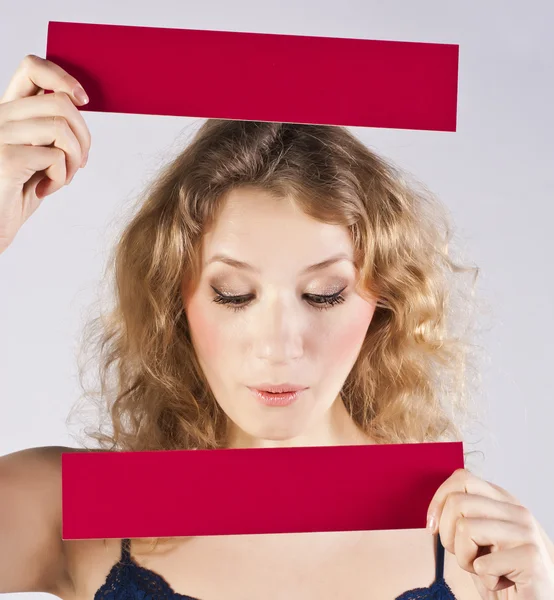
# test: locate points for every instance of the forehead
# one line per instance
(254, 225)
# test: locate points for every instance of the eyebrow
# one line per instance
(233, 262)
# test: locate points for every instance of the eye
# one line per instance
(318, 302)
(325, 302)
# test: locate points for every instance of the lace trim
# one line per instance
(127, 580)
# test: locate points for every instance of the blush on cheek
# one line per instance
(204, 330)
(350, 336)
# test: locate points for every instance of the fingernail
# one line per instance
(81, 95)
(85, 159)
(431, 523)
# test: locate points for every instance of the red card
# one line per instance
(243, 491)
(260, 76)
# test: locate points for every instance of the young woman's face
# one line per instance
(279, 329)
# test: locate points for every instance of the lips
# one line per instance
(268, 398)
(278, 389)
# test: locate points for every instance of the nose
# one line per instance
(278, 333)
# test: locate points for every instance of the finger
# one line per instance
(37, 159)
(459, 505)
(45, 131)
(523, 565)
(35, 73)
(474, 534)
(51, 105)
(462, 481)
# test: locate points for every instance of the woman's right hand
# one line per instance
(44, 140)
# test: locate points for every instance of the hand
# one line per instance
(494, 538)
(43, 140)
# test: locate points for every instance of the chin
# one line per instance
(274, 432)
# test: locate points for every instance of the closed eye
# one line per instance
(319, 302)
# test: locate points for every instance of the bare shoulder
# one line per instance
(35, 472)
(38, 467)
(45, 458)
(31, 553)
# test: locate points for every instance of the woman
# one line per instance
(265, 254)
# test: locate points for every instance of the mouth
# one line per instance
(278, 398)
(281, 388)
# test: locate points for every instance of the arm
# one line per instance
(31, 547)
(43, 142)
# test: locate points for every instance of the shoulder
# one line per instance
(37, 464)
(31, 549)
(38, 468)
(85, 563)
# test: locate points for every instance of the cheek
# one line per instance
(214, 339)
(205, 333)
(348, 335)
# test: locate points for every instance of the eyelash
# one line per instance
(237, 303)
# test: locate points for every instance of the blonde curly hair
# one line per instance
(410, 380)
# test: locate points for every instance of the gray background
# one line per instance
(494, 174)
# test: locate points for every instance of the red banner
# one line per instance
(260, 76)
(244, 491)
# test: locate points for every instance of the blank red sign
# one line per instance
(260, 76)
(245, 491)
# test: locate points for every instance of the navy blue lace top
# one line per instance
(129, 581)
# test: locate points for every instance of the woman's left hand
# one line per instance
(494, 538)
